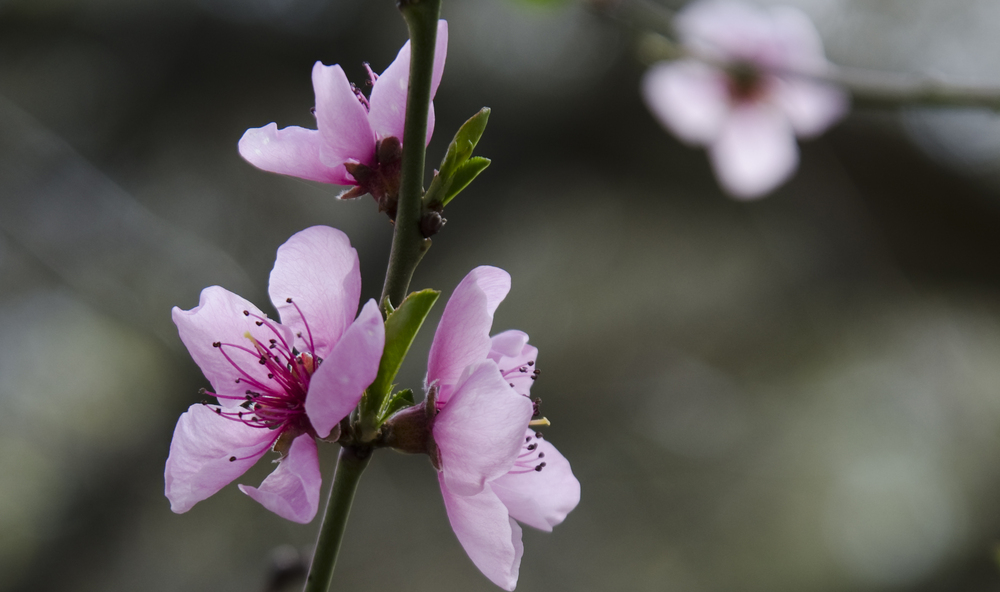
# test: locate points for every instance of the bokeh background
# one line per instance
(801, 393)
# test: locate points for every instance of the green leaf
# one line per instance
(394, 403)
(400, 329)
(463, 176)
(456, 172)
(465, 142)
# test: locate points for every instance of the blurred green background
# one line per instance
(795, 394)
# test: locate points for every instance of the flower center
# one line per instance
(277, 402)
(746, 84)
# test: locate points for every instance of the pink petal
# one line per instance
(796, 41)
(336, 386)
(480, 431)
(388, 98)
(341, 118)
(292, 490)
(318, 269)
(219, 318)
(291, 151)
(756, 151)
(463, 334)
(689, 98)
(541, 499)
(777, 37)
(810, 106)
(489, 536)
(724, 29)
(510, 350)
(198, 465)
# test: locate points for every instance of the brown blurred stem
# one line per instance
(870, 88)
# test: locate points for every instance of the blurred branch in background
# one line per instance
(94, 236)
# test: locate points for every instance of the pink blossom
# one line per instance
(493, 469)
(749, 113)
(351, 127)
(278, 385)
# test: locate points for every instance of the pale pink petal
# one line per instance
(318, 269)
(388, 98)
(810, 106)
(756, 151)
(724, 29)
(336, 386)
(796, 41)
(440, 55)
(292, 490)
(516, 359)
(689, 98)
(198, 465)
(541, 499)
(489, 536)
(219, 318)
(342, 119)
(290, 151)
(480, 431)
(463, 334)
(777, 37)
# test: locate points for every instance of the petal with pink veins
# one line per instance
(463, 334)
(388, 98)
(336, 386)
(756, 151)
(318, 269)
(198, 465)
(489, 536)
(219, 318)
(541, 499)
(510, 350)
(341, 118)
(810, 106)
(480, 431)
(688, 98)
(292, 490)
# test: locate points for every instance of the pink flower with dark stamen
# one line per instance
(278, 385)
(493, 469)
(347, 146)
(749, 104)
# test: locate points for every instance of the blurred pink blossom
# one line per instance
(349, 125)
(749, 113)
(279, 385)
(493, 469)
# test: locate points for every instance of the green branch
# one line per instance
(408, 242)
(408, 247)
(350, 465)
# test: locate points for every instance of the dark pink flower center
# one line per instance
(277, 402)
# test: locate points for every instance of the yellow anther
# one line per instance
(540, 422)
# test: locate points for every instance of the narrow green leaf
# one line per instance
(464, 143)
(400, 329)
(463, 176)
(395, 402)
